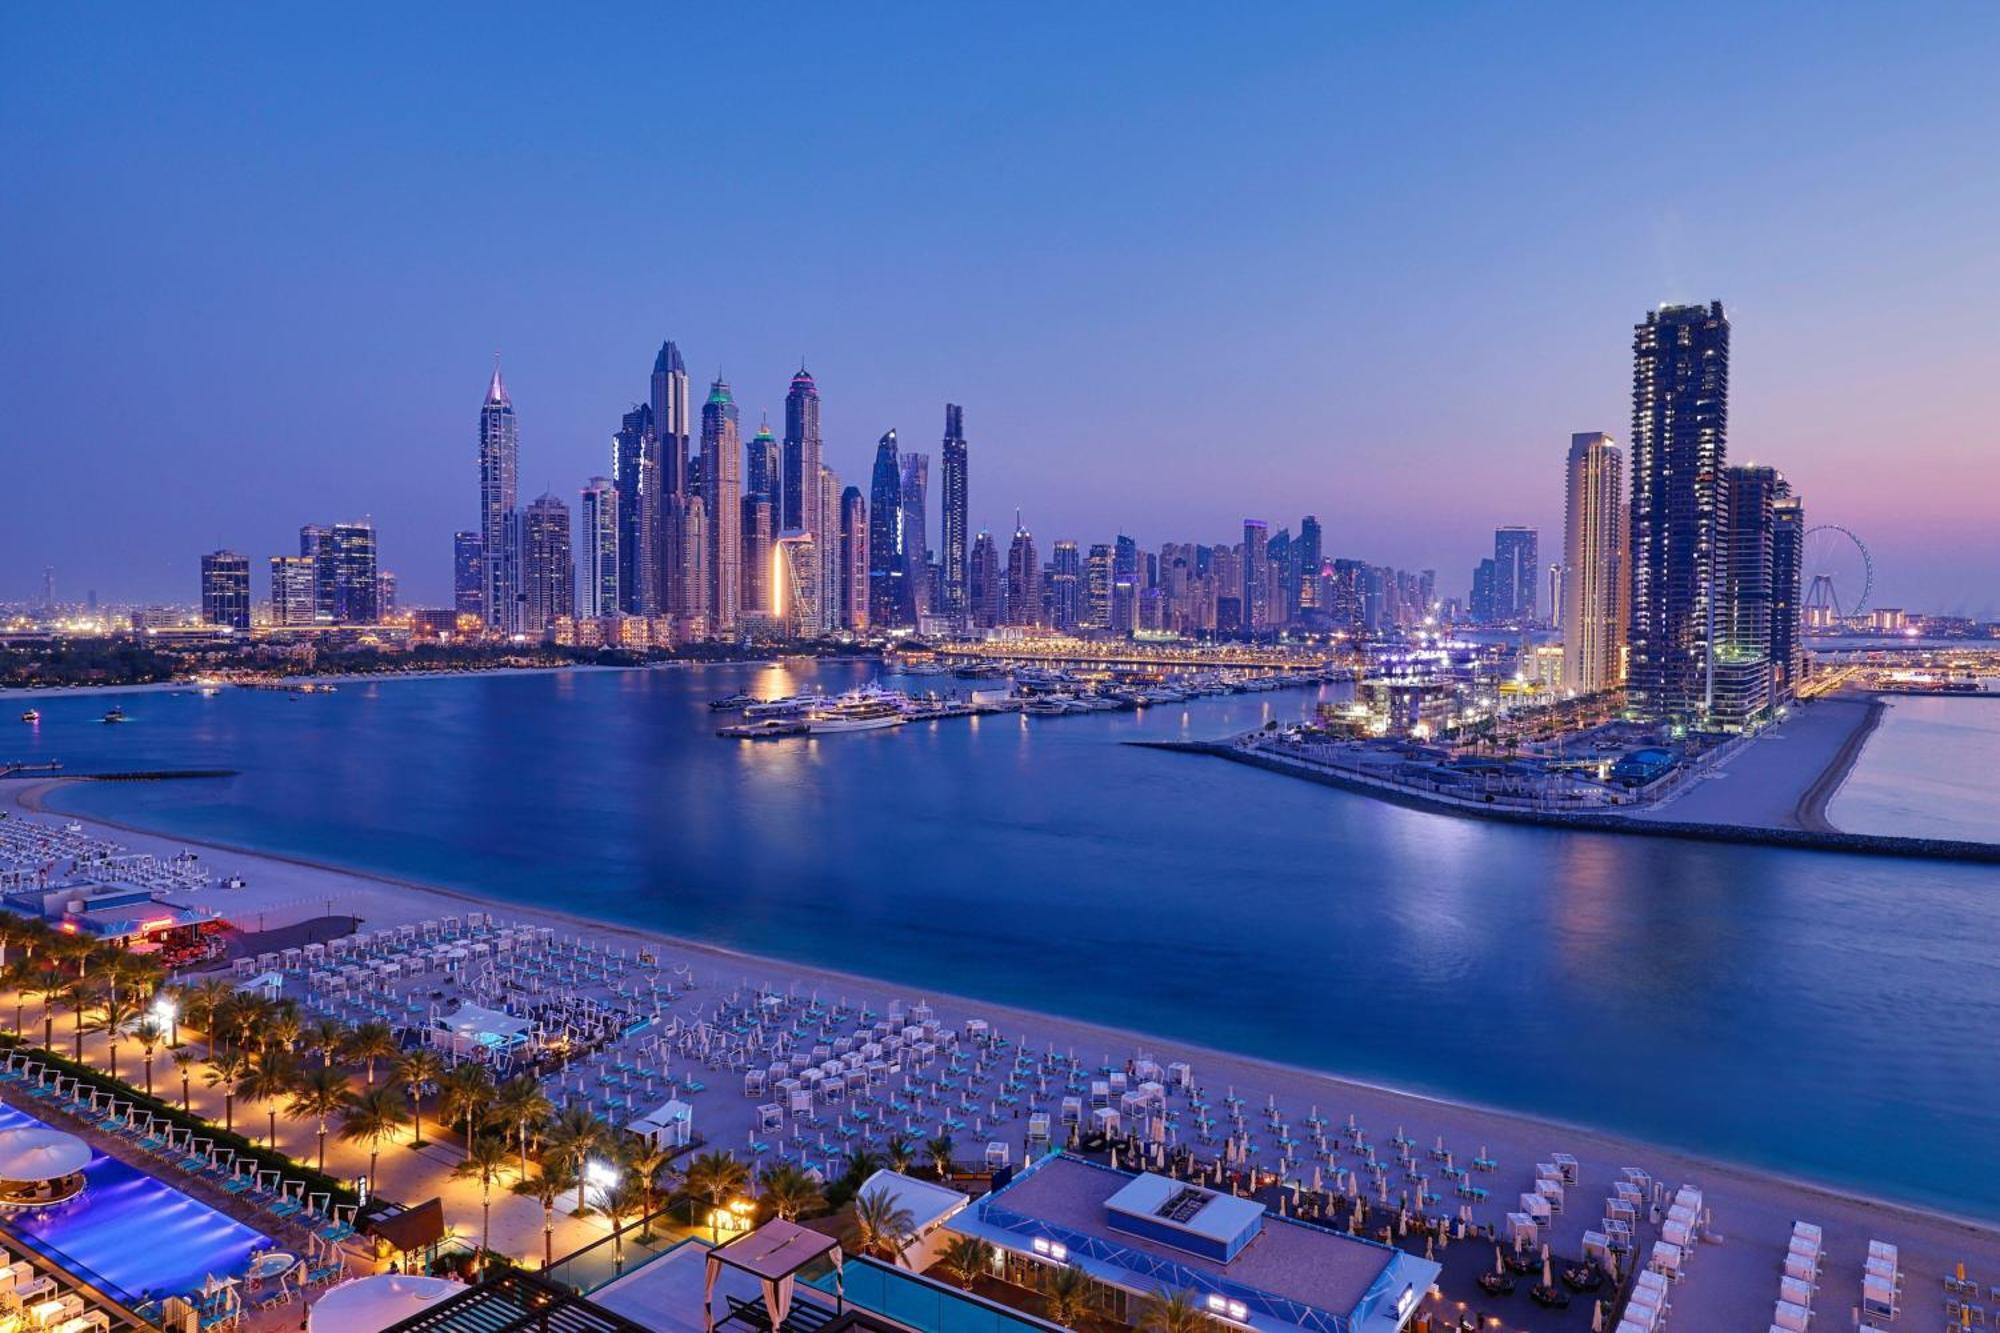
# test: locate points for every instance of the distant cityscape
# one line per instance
(1680, 578)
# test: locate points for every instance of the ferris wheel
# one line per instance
(1838, 575)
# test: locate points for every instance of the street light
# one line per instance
(168, 1015)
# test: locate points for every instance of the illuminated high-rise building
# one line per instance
(316, 545)
(1098, 577)
(1024, 578)
(598, 564)
(1788, 653)
(635, 466)
(1256, 581)
(671, 422)
(1517, 574)
(985, 585)
(829, 550)
(886, 599)
(225, 590)
(799, 506)
(762, 474)
(916, 481)
(1065, 587)
(956, 530)
(548, 567)
(722, 493)
(853, 562)
(499, 468)
(756, 591)
(1680, 446)
(1595, 588)
(357, 591)
(468, 575)
(795, 584)
(292, 591)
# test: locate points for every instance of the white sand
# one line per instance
(1731, 1286)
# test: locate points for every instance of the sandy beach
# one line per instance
(1731, 1285)
(1784, 778)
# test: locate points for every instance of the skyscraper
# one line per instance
(1680, 433)
(316, 545)
(499, 466)
(761, 474)
(291, 591)
(799, 462)
(671, 421)
(985, 588)
(225, 590)
(598, 550)
(853, 562)
(1024, 578)
(1098, 577)
(635, 466)
(956, 514)
(1065, 586)
(357, 591)
(1788, 654)
(1744, 670)
(722, 492)
(548, 567)
(1124, 584)
(1308, 557)
(1517, 579)
(916, 551)
(468, 575)
(756, 592)
(1595, 589)
(833, 575)
(1256, 555)
(885, 538)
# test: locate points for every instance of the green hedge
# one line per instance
(316, 1182)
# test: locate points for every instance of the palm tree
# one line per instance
(201, 1002)
(371, 1117)
(789, 1192)
(1066, 1291)
(273, 1074)
(185, 1060)
(555, 1181)
(572, 1138)
(370, 1042)
(718, 1178)
(319, 1095)
(862, 1164)
(483, 1162)
(464, 1094)
(645, 1159)
(47, 985)
(19, 977)
(965, 1258)
(901, 1150)
(149, 1033)
(520, 1104)
(1174, 1312)
(323, 1037)
(939, 1150)
(224, 1070)
(625, 1197)
(114, 1013)
(418, 1071)
(281, 1028)
(79, 995)
(881, 1225)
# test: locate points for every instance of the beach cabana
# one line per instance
(773, 1254)
(39, 1167)
(670, 1125)
(476, 1032)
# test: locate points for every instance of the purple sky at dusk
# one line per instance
(1180, 264)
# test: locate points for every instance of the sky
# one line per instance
(1182, 264)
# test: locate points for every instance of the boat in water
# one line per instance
(32, 716)
(733, 702)
(115, 715)
(791, 707)
(869, 708)
(769, 729)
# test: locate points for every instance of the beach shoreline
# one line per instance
(419, 899)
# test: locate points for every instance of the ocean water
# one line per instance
(1827, 1016)
(1931, 770)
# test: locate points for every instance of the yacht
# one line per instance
(798, 703)
(923, 669)
(116, 715)
(867, 709)
(738, 700)
(33, 715)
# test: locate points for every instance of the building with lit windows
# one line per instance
(225, 590)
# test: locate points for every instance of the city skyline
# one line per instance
(1352, 316)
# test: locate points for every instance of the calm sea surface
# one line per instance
(1931, 770)
(1827, 1016)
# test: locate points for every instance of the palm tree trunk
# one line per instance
(185, 1095)
(273, 1108)
(114, 1061)
(417, 1117)
(149, 1073)
(228, 1112)
(322, 1145)
(373, 1153)
(548, 1236)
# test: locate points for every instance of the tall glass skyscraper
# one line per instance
(666, 553)
(357, 590)
(1595, 589)
(762, 475)
(722, 492)
(853, 562)
(635, 466)
(1680, 445)
(1517, 579)
(916, 484)
(225, 590)
(598, 549)
(885, 537)
(798, 498)
(1024, 578)
(468, 575)
(499, 469)
(1065, 586)
(956, 514)
(548, 567)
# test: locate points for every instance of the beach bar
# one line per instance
(1139, 1235)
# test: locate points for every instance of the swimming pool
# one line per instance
(130, 1234)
